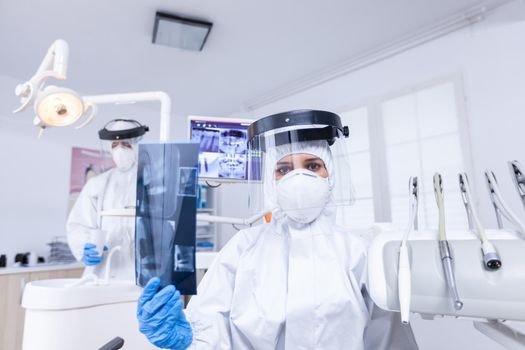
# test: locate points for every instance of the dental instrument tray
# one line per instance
(498, 294)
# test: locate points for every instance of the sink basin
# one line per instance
(57, 294)
(86, 316)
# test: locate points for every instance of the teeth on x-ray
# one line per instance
(222, 149)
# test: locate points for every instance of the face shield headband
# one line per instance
(328, 133)
(332, 130)
(115, 135)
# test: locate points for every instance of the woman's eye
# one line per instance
(314, 166)
(283, 170)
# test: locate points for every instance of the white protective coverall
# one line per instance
(285, 285)
(113, 189)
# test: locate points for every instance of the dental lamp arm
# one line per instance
(56, 60)
(54, 65)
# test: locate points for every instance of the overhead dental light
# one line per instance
(58, 106)
(53, 106)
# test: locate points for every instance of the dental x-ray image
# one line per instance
(222, 151)
(184, 257)
(232, 162)
(207, 138)
(166, 214)
(188, 182)
(232, 166)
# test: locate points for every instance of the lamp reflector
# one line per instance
(59, 106)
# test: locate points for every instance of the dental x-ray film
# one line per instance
(166, 214)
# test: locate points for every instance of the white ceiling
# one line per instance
(254, 46)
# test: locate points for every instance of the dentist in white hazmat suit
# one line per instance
(297, 282)
(90, 235)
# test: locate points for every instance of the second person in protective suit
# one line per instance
(92, 235)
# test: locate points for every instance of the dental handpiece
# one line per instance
(404, 279)
(518, 178)
(448, 269)
(491, 258)
(500, 205)
(447, 259)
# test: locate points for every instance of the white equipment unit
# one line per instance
(487, 295)
(60, 317)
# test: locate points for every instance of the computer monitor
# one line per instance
(223, 148)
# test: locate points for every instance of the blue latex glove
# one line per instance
(161, 318)
(90, 257)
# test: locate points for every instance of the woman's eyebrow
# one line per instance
(284, 162)
(313, 159)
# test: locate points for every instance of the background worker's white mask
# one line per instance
(302, 195)
(123, 157)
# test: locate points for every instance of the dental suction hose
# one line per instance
(491, 258)
(500, 203)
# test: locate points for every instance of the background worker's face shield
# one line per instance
(119, 138)
(298, 160)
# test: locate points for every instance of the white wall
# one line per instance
(35, 174)
(490, 57)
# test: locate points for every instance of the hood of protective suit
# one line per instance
(273, 200)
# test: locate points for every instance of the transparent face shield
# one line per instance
(300, 170)
(119, 141)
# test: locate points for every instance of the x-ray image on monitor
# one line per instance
(233, 141)
(223, 148)
(209, 164)
(232, 166)
(207, 138)
(166, 214)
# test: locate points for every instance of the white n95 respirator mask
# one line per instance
(123, 157)
(302, 195)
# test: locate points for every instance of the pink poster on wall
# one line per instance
(85, 164)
